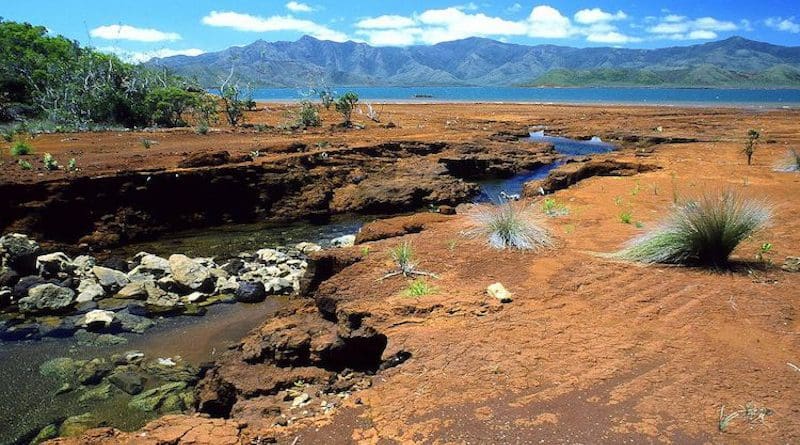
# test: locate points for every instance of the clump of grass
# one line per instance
(703, 231)
(72, 165)
(791, 163)
(551, 207)
(25, 165)
(419, 288)
(49, 162)
(147, 143)
(750, 413)
(7, 136)
(511, 225)
(403, 256)
(626, 217)
(201, 129)
(21, 148)
(750, 144)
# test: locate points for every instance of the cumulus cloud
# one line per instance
(127, 32)
(298, 7)
(143, 56)
(781, 24)
(678, 27)
(386, 22)
(548, 22)
(597, 15)
(252, 23)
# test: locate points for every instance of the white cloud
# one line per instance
(127, 32)
(612, 37)
(678, 27)
(597, 15)
(781, 24)
(393, 37)
(516, 7)
(252, 23)
(452, 24)
(385, 22)
(548, 22)
(298, 7)
(143, 56)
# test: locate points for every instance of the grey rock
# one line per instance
(24, 284)
(306, 247)
(46, 298)
(97, 319)
(134, 323)
(93, 371)
(19, 252)
(111, 280)
(251, 292)
(53, 264)
(189, 273)
(83, 264)
(152, 265)
(128, 381)
(134, 290)
(344, 241)
(89, 290)
(791, 264)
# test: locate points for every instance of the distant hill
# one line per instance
(483, 62)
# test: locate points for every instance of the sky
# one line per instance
(143, 29)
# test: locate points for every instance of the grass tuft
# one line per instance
(791, 163)
(703, 231)
(21, 148)
(419, 288)
(511, 225)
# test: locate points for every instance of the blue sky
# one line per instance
(146, 28)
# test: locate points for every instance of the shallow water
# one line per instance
(491, 189)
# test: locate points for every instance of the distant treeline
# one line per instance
(55, 79)
(703, 76)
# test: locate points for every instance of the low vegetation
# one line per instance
(511, 225)
(750, 144)
(49, 162)
(345, 105)
(790, 163)
(703, 231)
(419, 288)
(553, 208)
(308, 115)
(404, 258)
(21, 148)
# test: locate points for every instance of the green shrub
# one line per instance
(308, 116)
(345, 105)
(72, 165)
(147, 143)
(510, 225)
(626, 217)
(419, 288)
(791, 163)
(703, 231)
(551, 207)
(167, 105)
(750, 144)
(49, 162)
(25, 165)
(403, 256)
(21, 148)
(201, 129)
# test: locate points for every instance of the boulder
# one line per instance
(306, 247)
(93, 371)
(5, 297)
(8, 277)
(83, 265)
(24, 284)
(249, 292)
(97, 319)
(272, 256)
(134, 323)
(89, 290)
(151, 264)
(134, 290)
(111, 280)
(791, 264)
(77, 425)
(52, 264)
(47, 297)
(62, 368)
(155, 400)
(279, 285)
(19, 252)
(128, 381)
(190, 273)
(344, 241)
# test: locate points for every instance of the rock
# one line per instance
(205, 159)
(134, 323)
(273, 256)
(154, 399)
(89, 290)
(249, 292)
(83, 265)
(17, 332)
(62, 368)
(151, 264)
(5, 297)
(164, 300)
(306, 247)
(343, 241)
(97, 319)
(8, 277)
(45, 434)
(135, 290)
(128, 381)
(189, 273)
(93, 371)
(279, 285)
(77, 425)
(113, 304)
(53, 264)
(499, 292)
(24, 284)
(196, 297)
(57, 327)
(446, 210)
(97, 394)
(19, 251)
(47, 298)
(234, 266)
(111, 280)
(226, 286)
(116, 263)
(791, 264)
(301, 400)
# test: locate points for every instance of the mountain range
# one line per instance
(309, 62)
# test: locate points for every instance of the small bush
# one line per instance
(551, 207)
(791, 163)
(25, 165)
(403, 256)
(626, 217)
(72, 165)
(201, 129)
(21, 148)
(510, 225)
(703, 231)
(419, 288)
(49, 162)
(750, 144)
(147, 143)
(345, 105)
(308, 116)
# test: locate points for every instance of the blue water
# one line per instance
(490, 189)
(638, 96)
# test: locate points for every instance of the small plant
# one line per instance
(255, 154)
(451, 245)
(326, 96)
(703, 231)
(25, 165)
(749, 413)
(791, 163)
(763, 251)
(345, 105)
(8, 136)
(419, 288)
(49, 162)
(636, 188)
(201, 129)
(72, 165)
(510, 225)
(365, 251)
(551, 207)
(21, 148)
(618, 201)
(403, 256)
(626, 217)
(147, 143)
(750, 144)
(308, 116)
